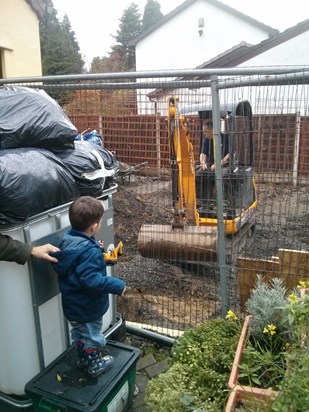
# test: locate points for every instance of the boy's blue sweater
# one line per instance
(82, 278)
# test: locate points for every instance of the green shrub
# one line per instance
(163, 393)
(201, 364)
(277, 354)
(294, 395)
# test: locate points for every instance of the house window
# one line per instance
(201, 23)
(201, 26)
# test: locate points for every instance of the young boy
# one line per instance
(84, 284)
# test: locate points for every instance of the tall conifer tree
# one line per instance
(59, 48)
(152, 14)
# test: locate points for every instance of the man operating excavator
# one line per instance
(204, 177)
(207, 159)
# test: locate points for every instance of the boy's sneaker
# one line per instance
(98, 364)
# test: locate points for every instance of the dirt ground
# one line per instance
(178, 297)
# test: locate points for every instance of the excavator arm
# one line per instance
(183, 168)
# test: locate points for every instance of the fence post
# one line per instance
(296, 149)
(158, 142)
(219, 195)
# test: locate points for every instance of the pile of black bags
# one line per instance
(43, 162)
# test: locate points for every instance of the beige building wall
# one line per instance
(19, 40)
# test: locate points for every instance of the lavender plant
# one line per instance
(266, 305)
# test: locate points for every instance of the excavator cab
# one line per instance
(238, 185)
(192, 235)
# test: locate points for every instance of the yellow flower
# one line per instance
(271, 329)
(292, 298)
(231, 315)
(303, 284)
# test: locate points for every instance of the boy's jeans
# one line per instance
(88, 333)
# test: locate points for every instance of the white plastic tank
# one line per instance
(33, 329)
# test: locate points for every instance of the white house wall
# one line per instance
(185, 97)
(280, 99)
(292, 52)
(269, 99)
(178, 45)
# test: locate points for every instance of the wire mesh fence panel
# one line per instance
(168, 209)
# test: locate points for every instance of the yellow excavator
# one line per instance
(192, 235)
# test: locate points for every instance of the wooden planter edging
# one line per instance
(233, 380)
(303, 292)
(240, 395)
(241, 392)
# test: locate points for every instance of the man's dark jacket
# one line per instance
(13, 250)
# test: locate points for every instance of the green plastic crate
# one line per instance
(61, 387)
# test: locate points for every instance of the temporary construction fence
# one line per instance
(131, 113)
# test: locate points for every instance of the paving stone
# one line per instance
(139, 403)
(139, 400)
(140, 408)
(145, 361)
(157, 368)
(141, 381)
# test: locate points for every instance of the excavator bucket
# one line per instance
(190, 243)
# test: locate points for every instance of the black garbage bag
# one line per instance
(31, 118)
(92, 167)
(32, 181)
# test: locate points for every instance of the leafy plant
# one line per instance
(263, 362)
(201, 363)
(262, 366)
(277, 352)
(294, 395)
(163, 393)
(297, 317)
(265, 305)
(255, 405)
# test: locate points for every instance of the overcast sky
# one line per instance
(95, 21)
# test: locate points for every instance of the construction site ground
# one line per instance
(281, 221)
